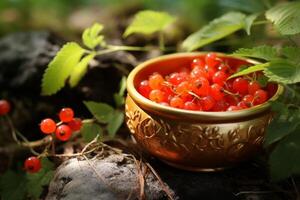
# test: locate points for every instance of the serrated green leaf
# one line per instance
(90, 130)
(284, 160)
(148, 22)
(215, 30)
(36, 181)
(60, 68)
(249, 70)
(115, 123)
(291, 53)
(249, 21)
(283, 71)
(91, 37)
(101, 111)
(246, 6)
(286, 17)
(12, 186)
(80, 70)
(262, 52)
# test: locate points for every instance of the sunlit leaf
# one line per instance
(249, 70)
(262, 52)
(115, 123)
(91, 36)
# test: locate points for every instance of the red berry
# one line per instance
(190, 105)
(144, 88)
(212, 60)
(32, 164)
(176, 78)
(231, 100)
(63, 132)
(167, 89)
(248, 99)
(157, 96)
(240, 85)
(198, 72)
(66, 114)
(220, 106)
(260, 96)
(4, 107)
(176, 102)
(216, 92)
(243, 105)
(271, 88)
(155, 81)
(75, 124)
(200, 86)
(47, 126)
(253, 87)
(224, 68)
(207, 103)
(210, 71)
(183, 88)
(197, 62)
(219, 78)
(233, 108)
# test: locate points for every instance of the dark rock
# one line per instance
(112, 178)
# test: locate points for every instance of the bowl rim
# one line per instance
(181, 113)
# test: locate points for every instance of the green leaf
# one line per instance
(148, 22)
(261, 52)
(36, 181)
(249, 21)
(12, 186)
(80, 70)
(60, 68)
(249, 70)
(215, 30)
(281, 126)
(119, 100)
(292, 53)
(248, 6)
(115, 123)
(91, 37)
(101, 111)
(286, 17)
(90, 130)
(284, 160)
(283, 71)
(122, 86)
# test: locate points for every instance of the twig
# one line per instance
(257, 192)
(141, 179)
(296, 188)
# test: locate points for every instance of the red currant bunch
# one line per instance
(63, 130)
(204, 86)
(4, 107)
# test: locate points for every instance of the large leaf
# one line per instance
(284, 160)
(283, 71)
(218, 29)
(91, 36)
(101, 111)
(12, 186)
(36, 182)
(244, 5)
(292, 53)
(115, 123)
(60, 68)
(286, 17)
(249, 21)
(249, 70)
(262, 52)
(148, 22)
(80, 70)
(90, 130)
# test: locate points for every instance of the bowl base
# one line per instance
(194, 169)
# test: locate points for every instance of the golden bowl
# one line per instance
(193, 140)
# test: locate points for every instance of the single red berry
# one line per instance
(66, 114)
(155, 81)
(220, 105)
(190, 105)
(183, 88)
(240, 85)
(167, 88)
(198, 72)
(253, 87)
(157, 96)
(233, 108)
(176, 78)
(47, 126)
(248, 99)
(217, 92)
(4, 107)
(75, 124)
(219, 78)
(32, 164)
(271, 88)
(176, 102)
(212, 60)
(224, 68)
(200, 86)
(231, 100)
(63, 132)
(197, 62)
(260, 96)
(243, 105)
(144, 88)
(210, 71)
(207, 103)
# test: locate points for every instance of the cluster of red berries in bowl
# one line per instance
(62, 130)
(204, 85)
